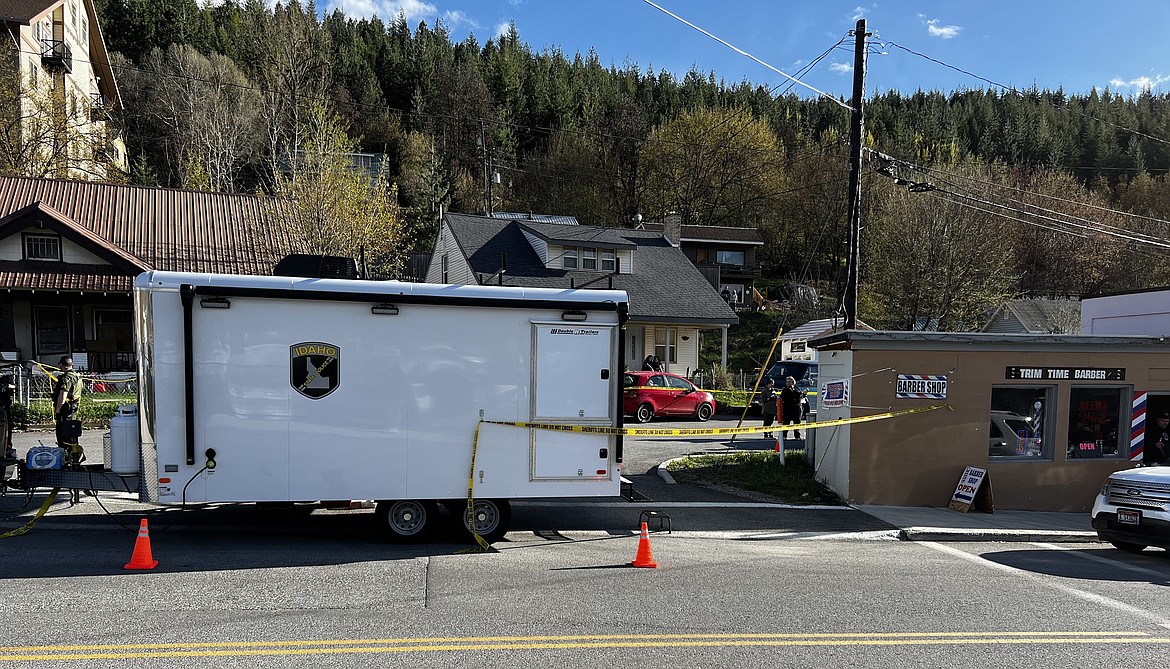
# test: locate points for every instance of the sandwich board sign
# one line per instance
(973, 490)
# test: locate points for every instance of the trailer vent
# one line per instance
(316, 267)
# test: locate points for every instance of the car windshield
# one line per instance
(1018, 426)
(629, 380)
(797, 370)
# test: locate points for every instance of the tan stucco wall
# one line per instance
(917, 460)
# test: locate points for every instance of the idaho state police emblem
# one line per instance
(316, 368)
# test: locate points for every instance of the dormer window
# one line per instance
(42, 247)
(569, 258)
(589, 259)
(608, 262)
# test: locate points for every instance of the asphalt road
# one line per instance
(738, 584)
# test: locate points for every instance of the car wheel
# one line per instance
(703, 412)
(1128, 547)
(644, 413)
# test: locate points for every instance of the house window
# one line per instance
(729, 258)
(1094, 419)
(569, 258)
(608, 260)
(1020, 420)
(32, 75)
(445, 267)
(51, 330)
(85, 32)
(666, 344)
(114, 328)
(589, 259)
(42, 247)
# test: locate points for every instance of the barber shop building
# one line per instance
(1048, 416)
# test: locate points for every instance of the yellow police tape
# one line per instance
(28, 526)
(482, 544)
(713, 431)
(47, 369)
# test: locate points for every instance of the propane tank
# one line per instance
(124, 443)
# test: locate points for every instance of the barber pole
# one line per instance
(1137, 431)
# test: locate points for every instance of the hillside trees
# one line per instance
(195, 117)
(712, 167)
(570, 134)
(339, 210)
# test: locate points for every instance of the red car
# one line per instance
(650, 394)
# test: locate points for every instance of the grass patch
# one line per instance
(758, 471)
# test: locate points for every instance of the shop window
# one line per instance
(1094, 420)
(1020, 422)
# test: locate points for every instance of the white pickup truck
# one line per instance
(1132, 511)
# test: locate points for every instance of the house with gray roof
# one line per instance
(726, 256)
(670, 300)
(1036, 316)
(70, 250)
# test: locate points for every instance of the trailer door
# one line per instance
(573, 381)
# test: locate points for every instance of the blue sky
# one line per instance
(1077, 44)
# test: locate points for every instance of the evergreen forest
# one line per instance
(970, 197)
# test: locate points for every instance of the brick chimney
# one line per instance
(672, 229)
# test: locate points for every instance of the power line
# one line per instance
(1042, 195)
(744, 53)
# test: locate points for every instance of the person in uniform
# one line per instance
(66, 399)
(791, 411)
(1157, 450)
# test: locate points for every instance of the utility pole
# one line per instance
(856, 134)
(487, 189)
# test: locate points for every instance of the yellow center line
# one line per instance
(450, 644)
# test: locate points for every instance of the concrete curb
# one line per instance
(990, 535)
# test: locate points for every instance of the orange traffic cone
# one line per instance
(142, 559)
(644, 558)
(777, 447)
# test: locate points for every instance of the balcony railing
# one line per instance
(99, 109)
(111, 361)
(55, 54)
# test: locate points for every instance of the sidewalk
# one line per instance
(943, 524)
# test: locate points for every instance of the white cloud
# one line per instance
(458, 19)
(412, 10)
(859, 12)
(1140, 83)
(945, 32)
(841, 68)
(502, 28)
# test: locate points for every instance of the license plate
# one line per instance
(1129, 517)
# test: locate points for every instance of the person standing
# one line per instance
(790, 405)
(1157, 450)
(768, 404)
(66, 400)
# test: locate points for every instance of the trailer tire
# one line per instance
(406, 520)
(1128, 547)
(492, 518)
(704, 412)
(644, 413)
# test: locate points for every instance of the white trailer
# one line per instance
(277, 389)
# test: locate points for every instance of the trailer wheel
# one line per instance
(704, 412)
(644, 413)
(406, 520)
(491, 517)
